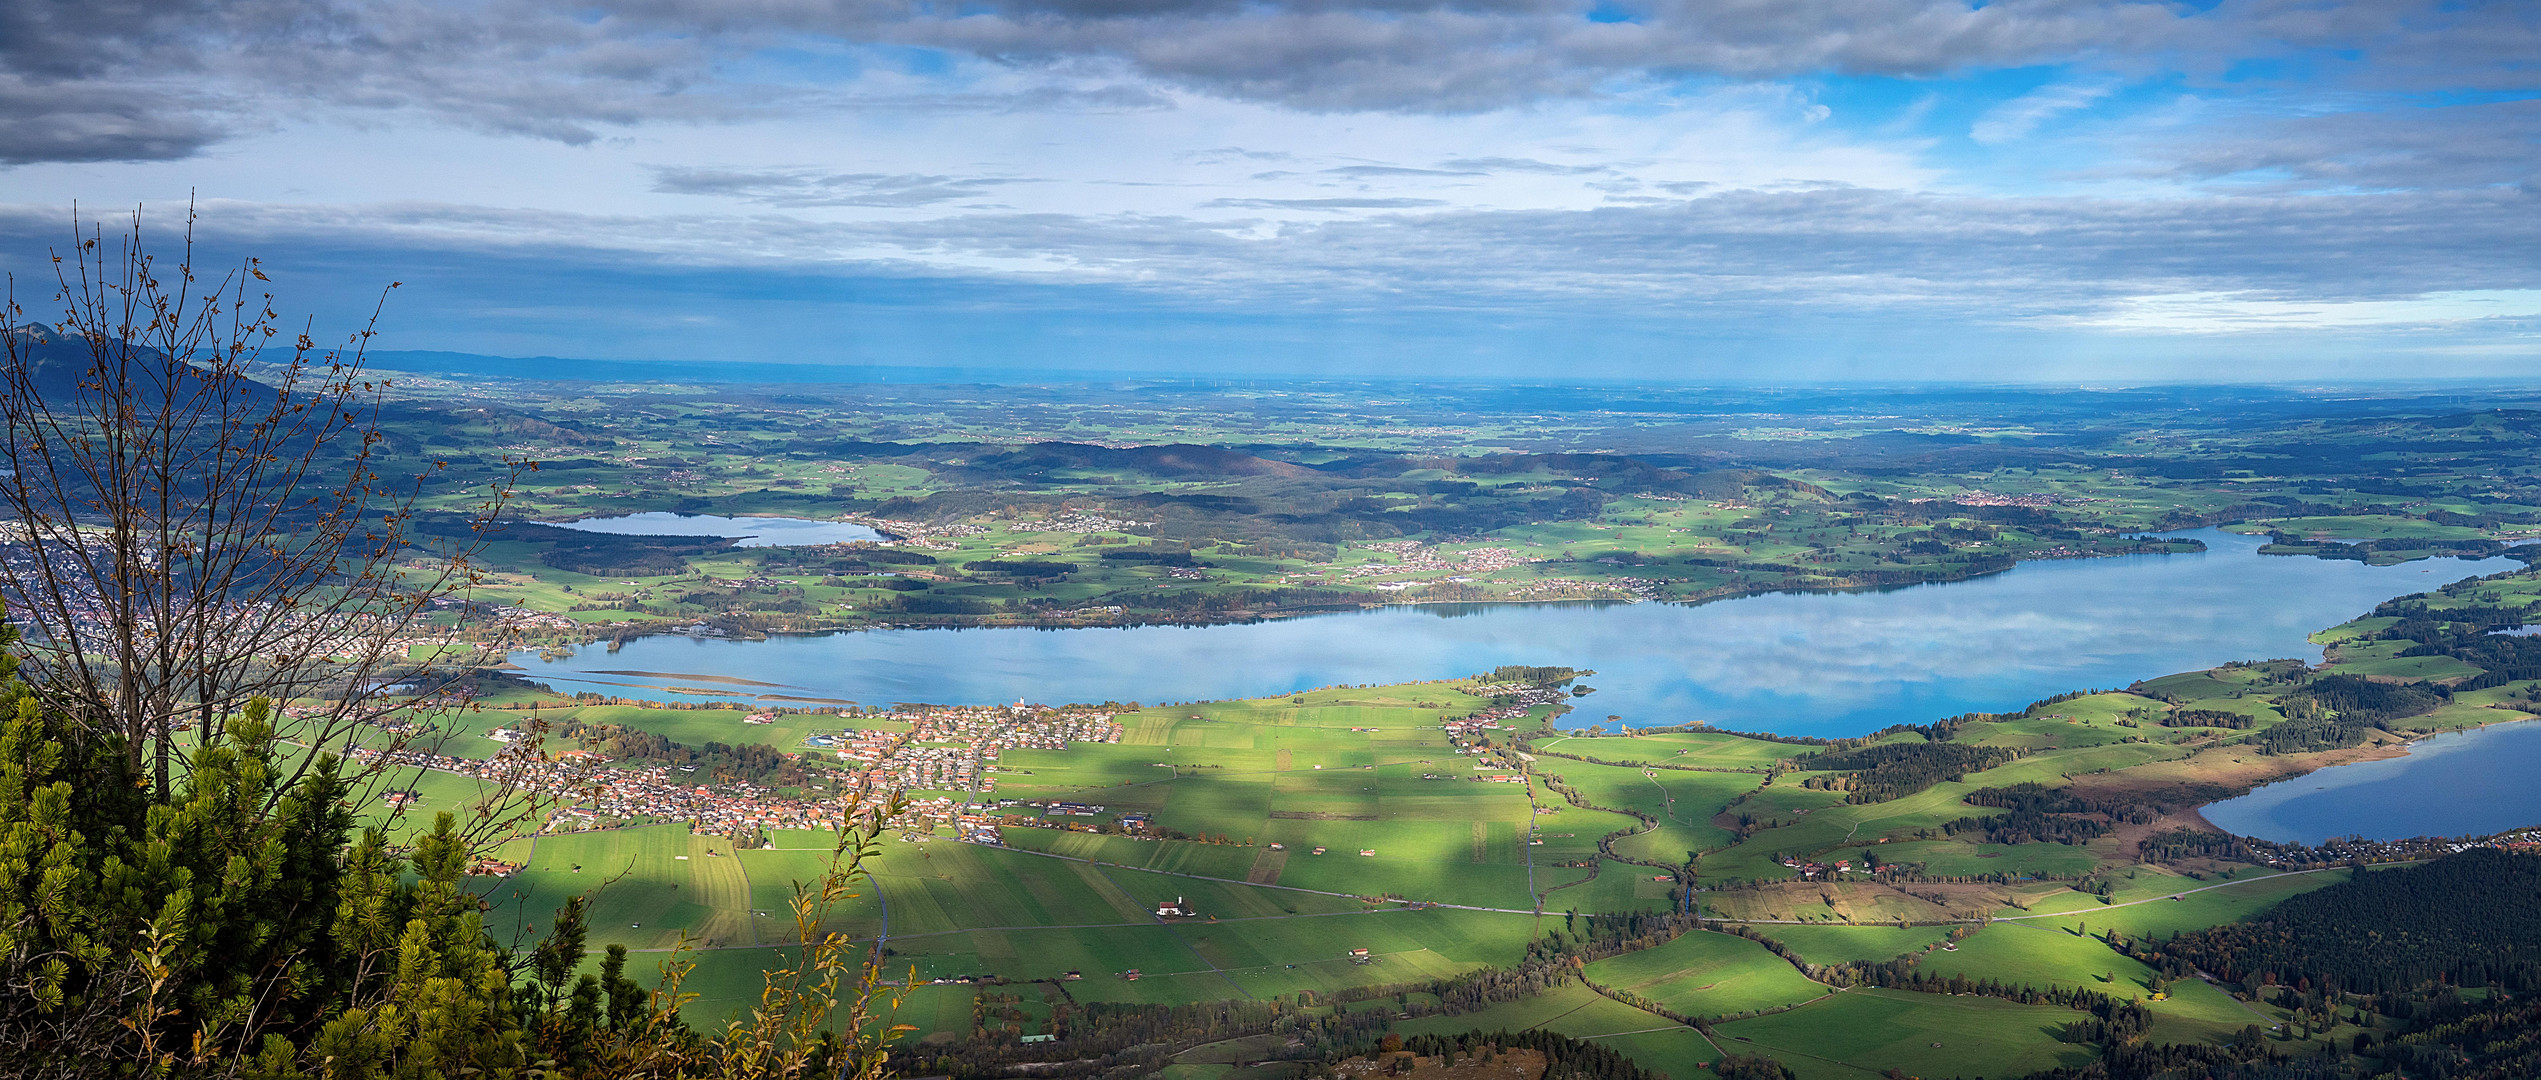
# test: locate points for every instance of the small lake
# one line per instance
(1828, 664)
(2469, 783)
(750, 531)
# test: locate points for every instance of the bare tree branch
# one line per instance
(201, 509)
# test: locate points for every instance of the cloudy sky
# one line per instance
(2063, 190)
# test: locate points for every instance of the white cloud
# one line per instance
(2234, 313)
(2014, 120)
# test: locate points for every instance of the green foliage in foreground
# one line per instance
(239, 929)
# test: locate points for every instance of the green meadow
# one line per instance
(1706, 973)
(1865, 1032)
(1855, 944)
(1581, 1013)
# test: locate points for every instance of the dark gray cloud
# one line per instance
(2410, 145)
(143, 79)
(57, 122)
(159, 79)
(1441, 55)
(2392, 44)
(1457, 55)
(805, 188)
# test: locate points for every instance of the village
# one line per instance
(955, 749)
(1414, 557)
(586, 794)
(943, 750)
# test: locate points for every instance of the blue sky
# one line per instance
(2057, 190)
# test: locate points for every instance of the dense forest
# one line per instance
(758, 763)
(2040, 814)
(1887, 771)
(2205, 718)
(2466, 920)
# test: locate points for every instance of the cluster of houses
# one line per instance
(2359, 849)
(1063, 808)
(1982, 497)
(591, 797)
(864, 746)
(955, 749)
(934, 768)
(1465, 732)
(760, 581)
(1414, 557)
(1635, 587)
(919, 534)
(510, 617)
(1006, 813)
(1079, 521)
(1522, 696)
(921, 817)
(1812, 871)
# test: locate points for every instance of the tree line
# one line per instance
(2050, 815)
(1565, 1058)
(758, 763)
(1886, 771)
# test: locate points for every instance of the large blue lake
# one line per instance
(1827, 664)
(2470, 783)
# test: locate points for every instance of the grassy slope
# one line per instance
(1707, 974)
(1925, 1034)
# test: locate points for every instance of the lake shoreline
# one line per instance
(2405, 747)
(1244, 618)
(1089, 619)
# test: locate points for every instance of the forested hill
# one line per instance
(2467, 920)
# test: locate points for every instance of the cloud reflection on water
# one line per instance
(1813, 663)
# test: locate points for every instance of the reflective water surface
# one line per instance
(2470, 783)
(752, 531)
(1800, 663)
